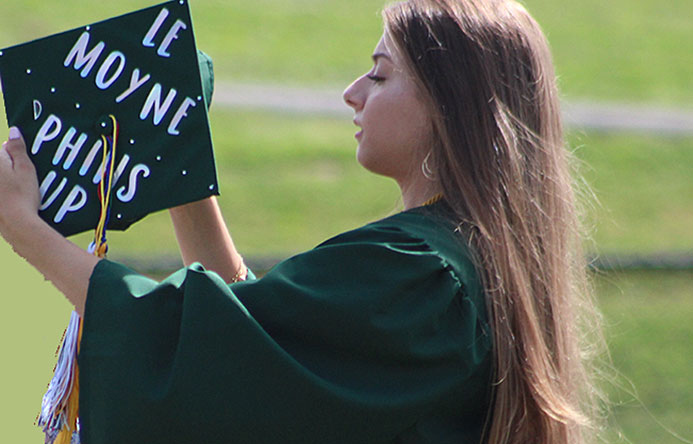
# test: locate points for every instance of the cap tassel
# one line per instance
(59, 417)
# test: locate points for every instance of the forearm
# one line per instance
(60, 261)
(203, 237)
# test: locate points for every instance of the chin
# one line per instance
(371, 164)
(363, 159)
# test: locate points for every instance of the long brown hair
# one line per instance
(498, 154)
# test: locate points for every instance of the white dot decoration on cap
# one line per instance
(199, 98)
(158, 158)
(182, 2)
(103, 125)
(53, 90)
(120, 216)
(1, 53)
(184, 172)
(78, 106)
(211, 187)
(132, 141)
(28, 71)
(88, 28)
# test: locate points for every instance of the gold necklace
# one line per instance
(433, 199)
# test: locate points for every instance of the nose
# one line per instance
(353, 94)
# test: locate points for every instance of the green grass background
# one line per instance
(630, 50)
(290, 182)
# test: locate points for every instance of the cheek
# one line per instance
(396, 130)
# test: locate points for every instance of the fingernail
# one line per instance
(15, 133)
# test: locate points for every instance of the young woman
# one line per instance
(456, 320)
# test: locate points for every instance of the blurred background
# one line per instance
(285, 155)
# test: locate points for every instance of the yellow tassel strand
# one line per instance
(100, 247)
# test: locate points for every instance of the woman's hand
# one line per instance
(59, 260)
(19, 191)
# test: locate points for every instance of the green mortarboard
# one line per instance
(144, 70)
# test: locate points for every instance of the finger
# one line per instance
(14, 133)
(16, 148)
(4, 155)
(6, 166)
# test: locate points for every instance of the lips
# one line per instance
(360, 132)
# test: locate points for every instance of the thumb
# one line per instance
(16, 148)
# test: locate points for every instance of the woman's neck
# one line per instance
(416, 193)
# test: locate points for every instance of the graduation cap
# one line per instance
(127, 96)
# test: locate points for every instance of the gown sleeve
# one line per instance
(351, 342)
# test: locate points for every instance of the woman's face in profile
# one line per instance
(395, 129)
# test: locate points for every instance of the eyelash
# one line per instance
(375, 78)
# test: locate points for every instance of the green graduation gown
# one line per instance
(377, 335)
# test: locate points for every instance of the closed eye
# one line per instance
(374, 78)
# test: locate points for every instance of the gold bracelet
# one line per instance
(239, 276)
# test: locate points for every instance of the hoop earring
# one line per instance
(426, 170)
